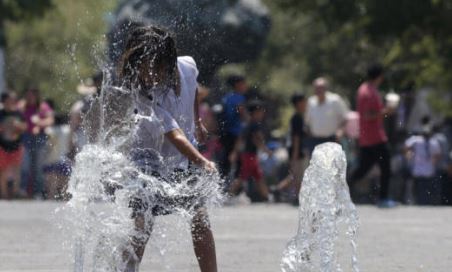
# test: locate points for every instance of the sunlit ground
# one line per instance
(249, 238)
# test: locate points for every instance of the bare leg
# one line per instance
(285, 183)
(203, 242)
(60, 185)
(16, 180)
(262, 188)
(293, 180)
(235, 186)
(143, 231)
(51, 182)
(4, 184)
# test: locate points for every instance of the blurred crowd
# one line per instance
(397, 148)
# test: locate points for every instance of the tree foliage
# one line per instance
(410, 37)
(57, 51)
(309, 38)
(17, 10)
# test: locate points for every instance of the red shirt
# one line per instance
(371, 131)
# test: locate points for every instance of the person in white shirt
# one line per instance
(182, 103)
(167, 89)
(325, 115)
(423, 153)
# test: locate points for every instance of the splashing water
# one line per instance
(325, 206)
(108, 187)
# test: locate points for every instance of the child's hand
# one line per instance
(210, 167)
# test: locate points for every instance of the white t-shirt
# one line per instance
(325, 119)
(149, 147)
(423, 153)
(181, 107)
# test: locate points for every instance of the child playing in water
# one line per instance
(168, 85)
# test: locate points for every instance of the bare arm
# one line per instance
(178, 139)
(201, 131)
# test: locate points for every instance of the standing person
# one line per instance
(252, 140)
(373, 146)
(234, 115)
(57, 166)
(12, 127)
(150, 65)
(183, 104)
(297, 154)
(325, 115)
(38, 116)
(424, 152)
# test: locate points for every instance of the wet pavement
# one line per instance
(249, 238)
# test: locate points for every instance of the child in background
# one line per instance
(252, 140)
(423, 153)
(12, 127)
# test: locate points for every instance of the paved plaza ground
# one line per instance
(249, 238)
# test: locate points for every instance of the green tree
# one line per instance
(409, 36)
(58, 51)
(16, 11)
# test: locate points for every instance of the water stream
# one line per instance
(326, 214)
(109, 175)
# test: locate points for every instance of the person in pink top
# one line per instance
(38, 116)
(373, 148)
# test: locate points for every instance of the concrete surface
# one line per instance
(249, 238)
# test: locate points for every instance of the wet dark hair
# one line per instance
(297, 97)
(234, 79)
(374, 71)
(148, 45)
(255, 105)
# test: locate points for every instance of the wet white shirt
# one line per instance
(326, 118)
(181, 107)
(149, 147)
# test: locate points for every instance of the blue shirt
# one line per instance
(231, 102)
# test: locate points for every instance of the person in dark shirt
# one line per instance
(252, 140)
(298, 161)
(12, 126)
